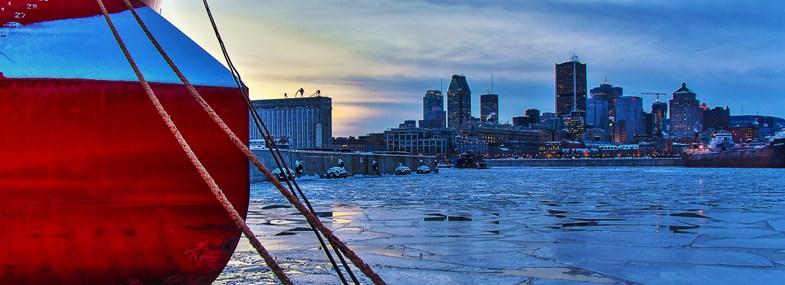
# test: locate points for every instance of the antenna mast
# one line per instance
(492, 83)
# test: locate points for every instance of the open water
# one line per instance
(591, 225)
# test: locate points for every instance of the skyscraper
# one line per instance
(685, 113)
(459, 102)
(489, 108)
(648, 123)
(597, 113)
(570, 87)
(433, 109)
(606, 92)
(629, 119)
(659, 111)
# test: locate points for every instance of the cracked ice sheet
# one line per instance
(731, 233)
(492, 261)
(630, 239)
(746, 243)
(464, 248)
(577, 254)
(655, 273)
(740, 216)
(777, 224)
(564, 275)
(407, 276)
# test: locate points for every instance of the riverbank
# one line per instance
(620, 161)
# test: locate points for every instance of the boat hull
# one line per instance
(96, 190)
(771, 156)
(28, 12)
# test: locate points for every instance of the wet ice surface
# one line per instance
(533, 226)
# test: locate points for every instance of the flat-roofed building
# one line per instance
(306, 122)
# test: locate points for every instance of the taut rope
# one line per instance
(312, 219)
(211, 112)
(227, 205)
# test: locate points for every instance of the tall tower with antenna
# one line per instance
(570, 86)
(489, 106)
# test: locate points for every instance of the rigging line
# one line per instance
(276, 153)
(219, 195)
(364, 267)
(274, 150)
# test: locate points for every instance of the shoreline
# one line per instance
(579, 162)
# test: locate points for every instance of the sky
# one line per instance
(376, 59)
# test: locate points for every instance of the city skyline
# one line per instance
(376, 59)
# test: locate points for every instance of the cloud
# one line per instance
(376, 59)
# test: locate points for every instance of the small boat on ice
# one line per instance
(402, 170)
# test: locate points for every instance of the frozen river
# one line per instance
(594, 225)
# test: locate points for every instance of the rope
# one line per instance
(195, 94)
(274, 150)
(309, 215)
(227, 205)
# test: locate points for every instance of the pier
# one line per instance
(622, 161)
(316, 163)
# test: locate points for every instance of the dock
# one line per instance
(316, 163)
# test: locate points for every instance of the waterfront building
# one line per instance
(520, 121)
(685, 117)
(593, 134)
(716, 119)
(570, 87)
(534, 114)
(530, 120)
(489, 108)
(346, 144)
(525, 122)
(743, 134)
(375, 142)
(433, 108)
(608, 93)
(648, 123)
(305, 123)
(766, 125)
(434, 123)
(575, 123)
(550, 121)
(501, 134)
(471, 144)
(629, 122)
(459, 102)
(408, 124)
(659, 113)
(513, 149)
(421, 141)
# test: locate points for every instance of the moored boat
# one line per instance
(95, 188)
(423, 169)
(402, 170)
(471, 160)
(723, 152)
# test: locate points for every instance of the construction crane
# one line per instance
(654, 93)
